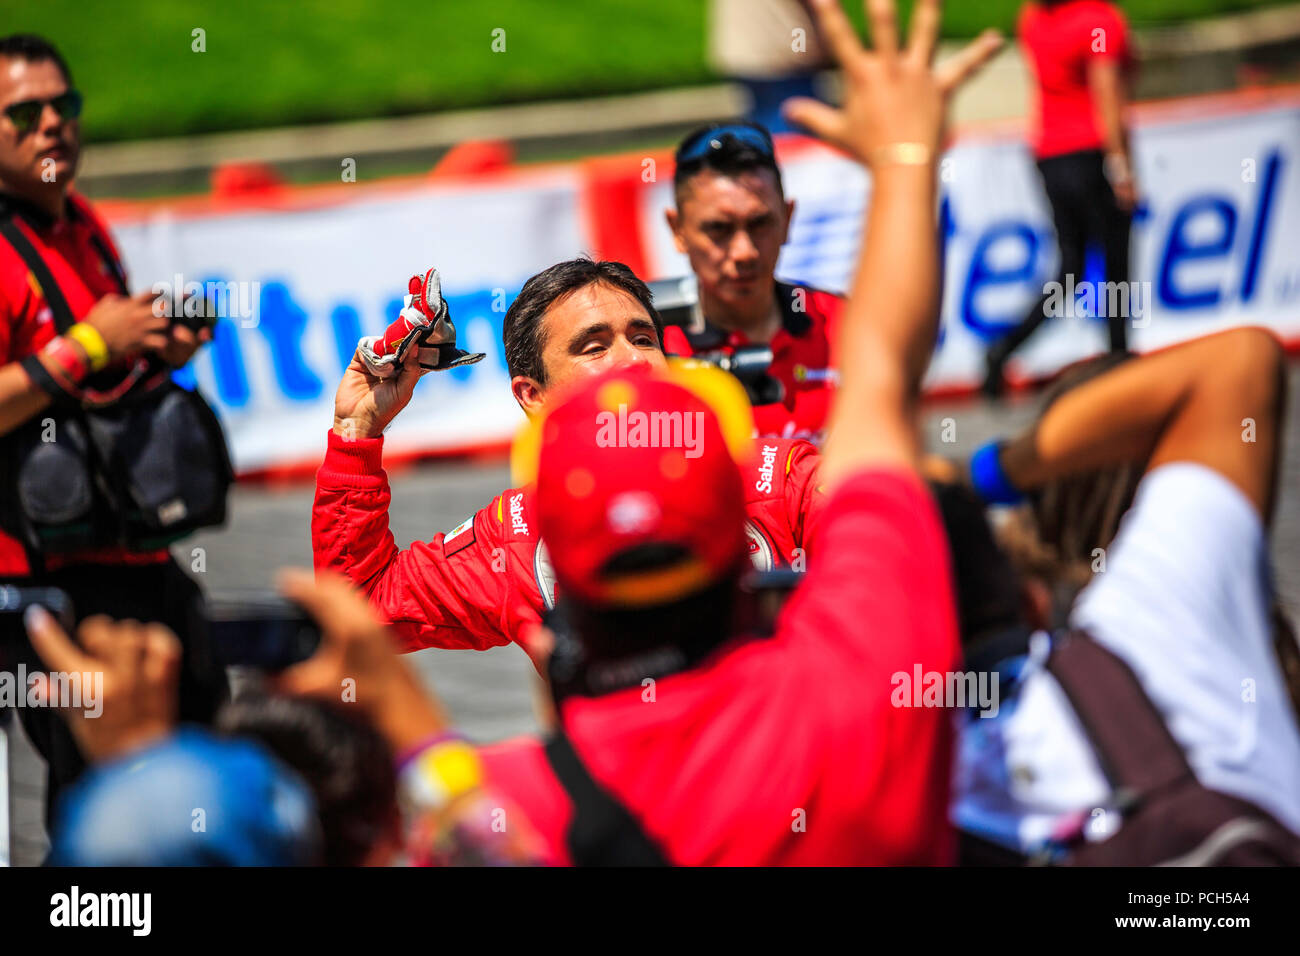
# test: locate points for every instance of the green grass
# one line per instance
(271, 62)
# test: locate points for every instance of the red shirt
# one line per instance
(1060, 42)
(83, 273)
(787, 750)
(801, 359)
(488, 581)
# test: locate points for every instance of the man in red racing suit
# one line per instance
(487, 581)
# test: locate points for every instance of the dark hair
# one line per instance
(33, 49)
(523, 333)
(344, 760)
(731, 157)
(988, 587)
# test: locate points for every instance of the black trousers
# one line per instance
(156, 592)
(1085, 213)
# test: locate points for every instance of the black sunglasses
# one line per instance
(27, 114)
(707, 141)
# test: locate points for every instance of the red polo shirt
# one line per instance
(795, 749)
(1060, 42)
(801, 359)
(85, 263)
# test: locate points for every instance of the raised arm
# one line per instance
(1215, 401)
(892, 121)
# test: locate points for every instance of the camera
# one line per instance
(676, 301)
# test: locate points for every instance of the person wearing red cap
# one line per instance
(576, 319)
(682, 734)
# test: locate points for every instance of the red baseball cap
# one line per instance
(638, 492)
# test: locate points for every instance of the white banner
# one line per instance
(323, 276)
(1216, 242)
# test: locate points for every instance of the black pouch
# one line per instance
(164, 458)
(53, 502)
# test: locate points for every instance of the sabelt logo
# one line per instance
(764, 483)
(517, 522)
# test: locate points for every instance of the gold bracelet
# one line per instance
(902, 154)
(92, 342)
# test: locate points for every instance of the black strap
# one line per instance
(63, 317)
(111, 263)
(603, 832)
(1136, 750)
(148, 377)
(60, 397)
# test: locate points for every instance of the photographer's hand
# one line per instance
(357, 654)
(129, 325)
(131, 670)
(182, 343)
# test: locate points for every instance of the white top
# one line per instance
(1184, 599)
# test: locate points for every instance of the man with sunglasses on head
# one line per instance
(40, 369)
(731, 218)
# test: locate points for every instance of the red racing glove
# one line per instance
(423, 323)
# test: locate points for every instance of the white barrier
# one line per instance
(1215, 242)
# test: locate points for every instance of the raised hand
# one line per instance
(365, 404)
(895, 102)
(135, 667)
(129, 324)
(354, 647)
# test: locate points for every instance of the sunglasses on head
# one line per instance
(710, 140)
(27, 114)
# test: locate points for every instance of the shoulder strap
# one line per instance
(603, 832)
(63, 317)
(1133, 743)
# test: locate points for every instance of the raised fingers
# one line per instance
(925, 30)
(837, 30)
(331, 601)
(953, 72)
(162, 655)
(52, 643)
(884, 28)
(824, 122)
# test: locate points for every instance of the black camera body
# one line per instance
(675, 300)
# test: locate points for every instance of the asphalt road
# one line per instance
(490, 693)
